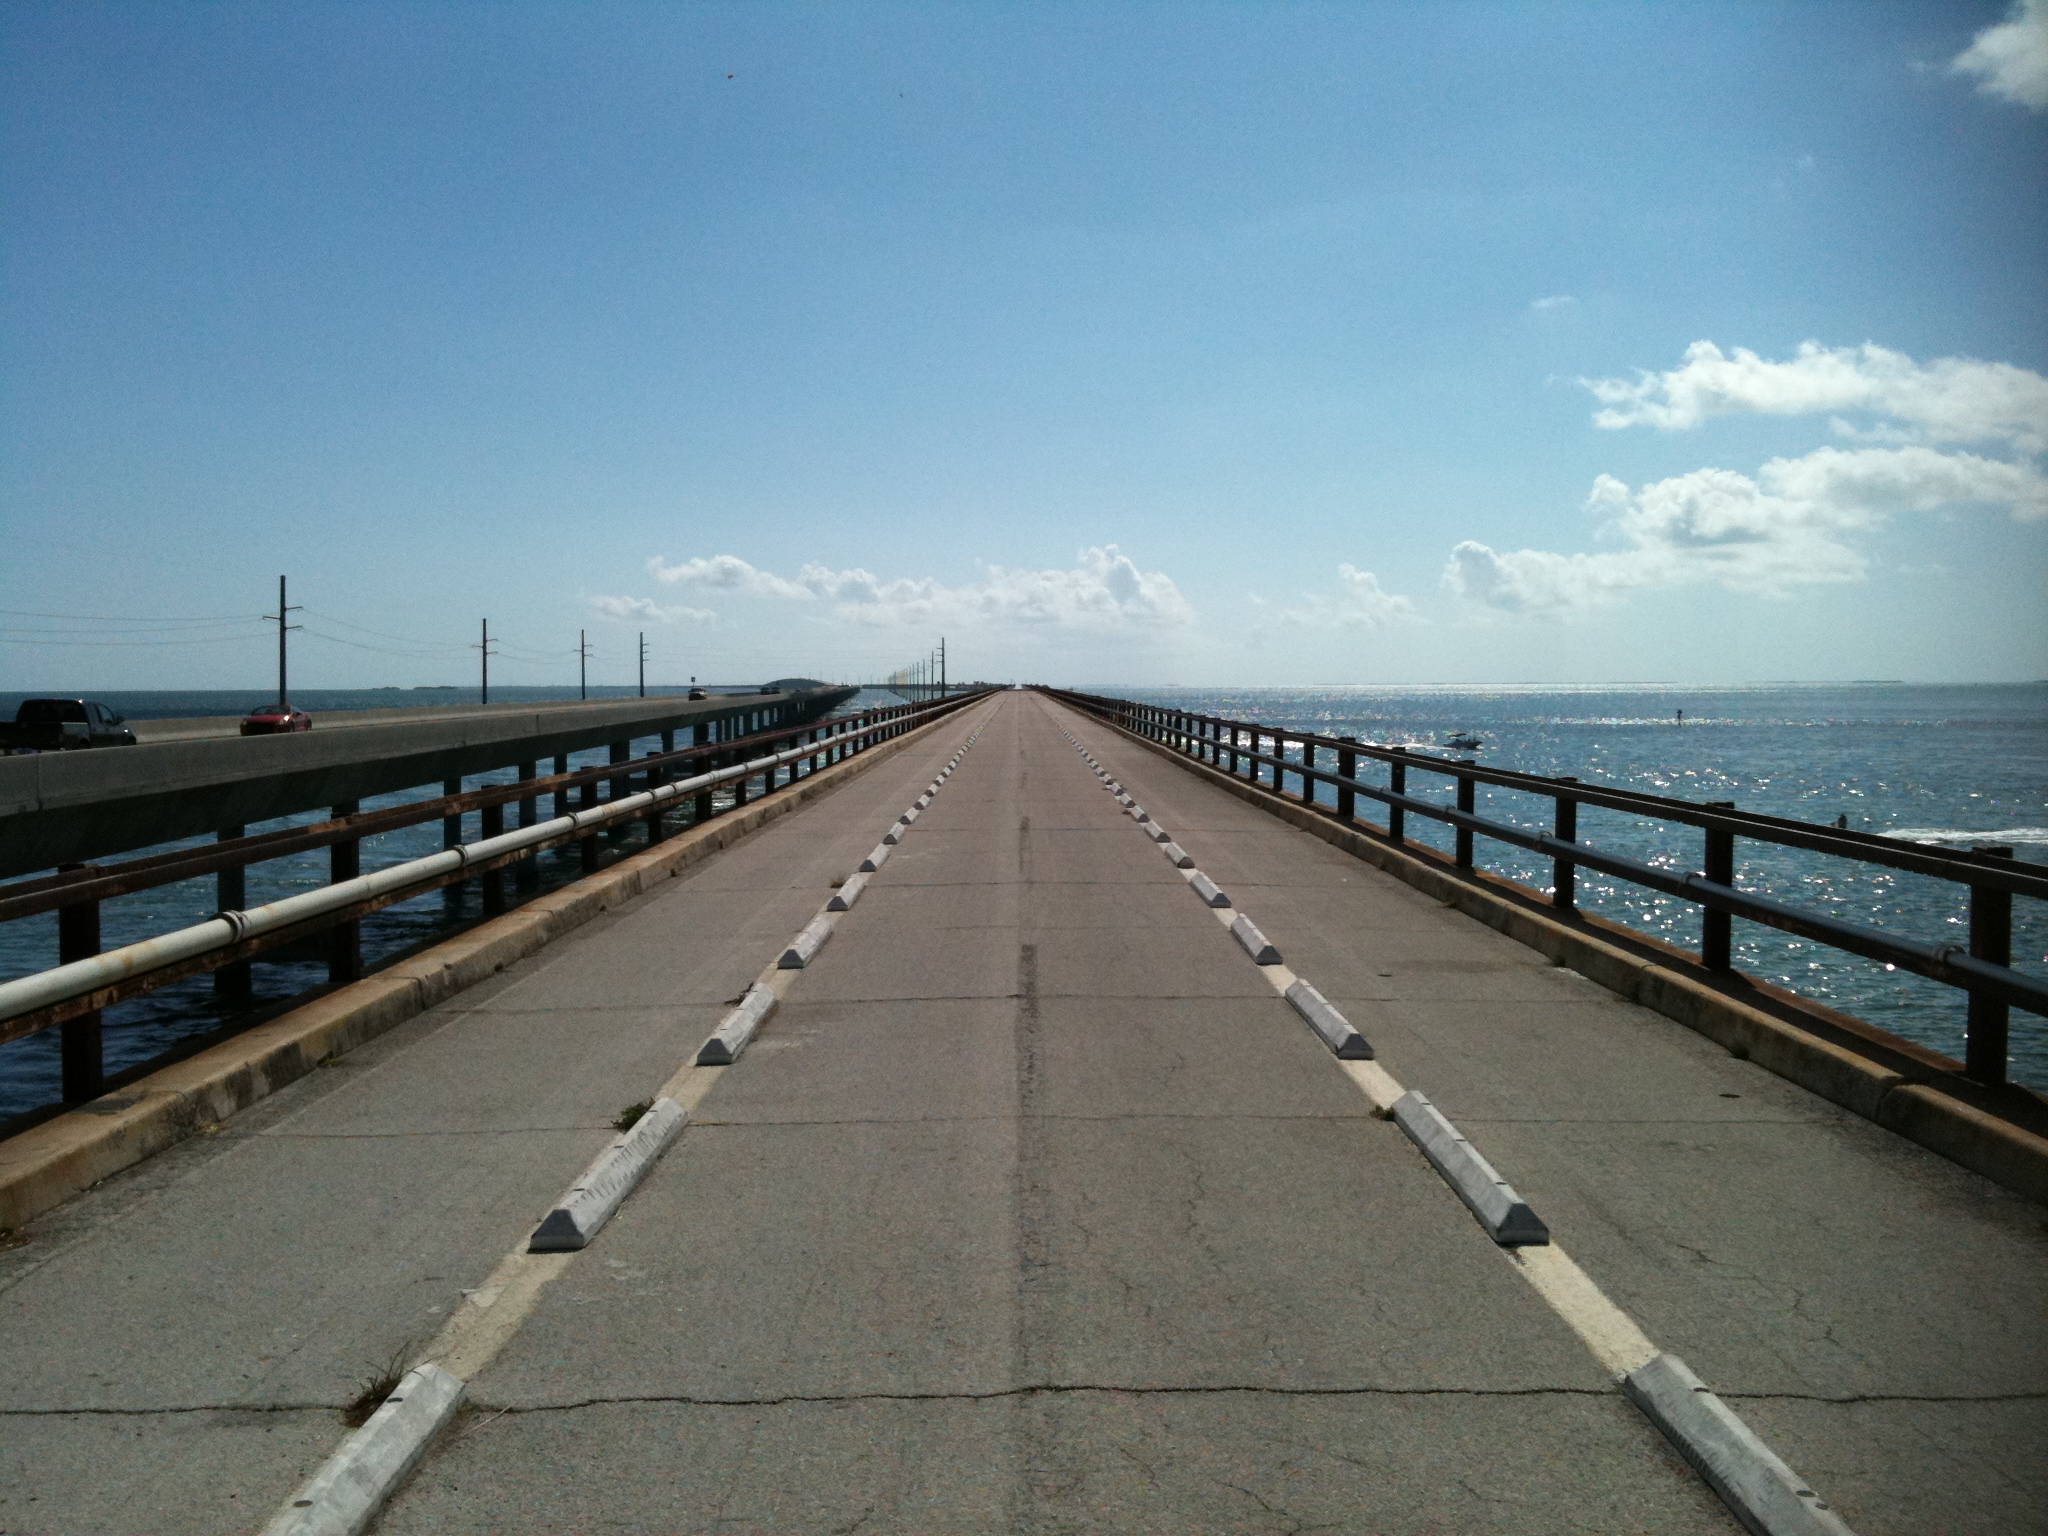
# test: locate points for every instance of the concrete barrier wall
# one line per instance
(62, 807)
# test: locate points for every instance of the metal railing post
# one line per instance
(1717, 928)
(345, 940)
(1347, 798)
(1466, 799)
(586, 845)
(82, 1064)
(620, 752)
(1397, 781)
(1308, 763)
(562, 806)
(231, 894)
(1564, 874)
(656, 777)
(491, 822)
(451, 826)
(700, 810)
(1984, 1041)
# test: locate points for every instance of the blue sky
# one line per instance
(1146, 344)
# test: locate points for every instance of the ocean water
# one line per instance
(1954, 766)
(144, 1028)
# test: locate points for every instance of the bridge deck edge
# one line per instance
(49, 1163)
(2008, 1154)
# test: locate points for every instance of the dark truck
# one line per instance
(63, 725)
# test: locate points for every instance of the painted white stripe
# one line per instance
(1610, 1333)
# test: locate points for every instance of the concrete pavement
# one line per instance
(178, 1340)
(1034, 1208)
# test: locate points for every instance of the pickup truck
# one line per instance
(63, 725)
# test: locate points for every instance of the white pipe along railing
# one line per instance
(62, 983)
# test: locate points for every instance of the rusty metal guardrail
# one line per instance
(1981, 968)
(72, 994)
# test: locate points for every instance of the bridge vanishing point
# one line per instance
(1093, 1152)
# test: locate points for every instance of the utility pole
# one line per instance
(643, 667)
(284, 627)
(583, 663)
(942, 666)
(485, 650)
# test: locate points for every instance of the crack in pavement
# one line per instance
(1035, 1390)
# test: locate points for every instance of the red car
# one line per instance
(275, 720)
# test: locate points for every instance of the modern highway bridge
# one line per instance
(1031, 1191)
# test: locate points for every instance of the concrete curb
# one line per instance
(1505, 1214)
(2005, 1153)
(1255, 943)
(1764, 1493)
(589, 1203)
(847, 894)
(1177, 856)
(726, 1042)
(49, 1163)
(1337, 1032)
(803, 949)
(1207, 889)
(343, 1497)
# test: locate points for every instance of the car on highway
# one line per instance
(275, 720)
(63, 725)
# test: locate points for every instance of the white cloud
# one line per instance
(1366, 603)
(650, 612)
(1103, 590)
(1950, 400)
(1361, 603)
(1555, 302)
(2011, 59)
(725, 573)
(1793, 525)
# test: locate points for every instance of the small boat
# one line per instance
(1464, 741)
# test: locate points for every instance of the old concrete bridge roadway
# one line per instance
(1031, 1202)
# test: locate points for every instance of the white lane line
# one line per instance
(1608, 1332)
(1756, 1485)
